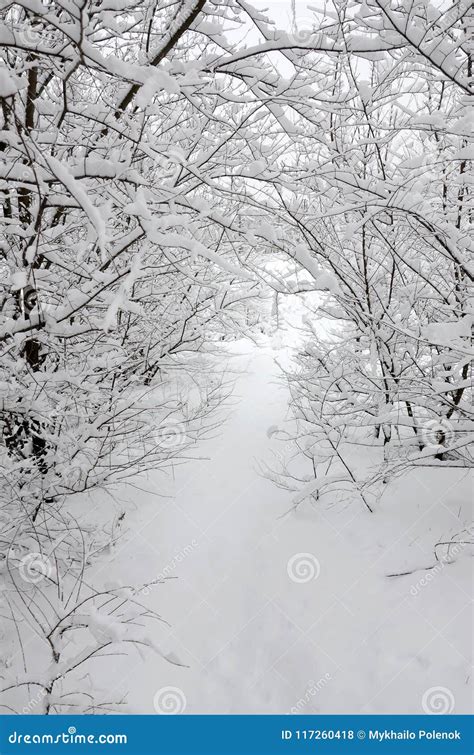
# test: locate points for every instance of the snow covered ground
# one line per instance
(274, 611)
(307, 165)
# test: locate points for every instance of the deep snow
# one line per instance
(254, 640)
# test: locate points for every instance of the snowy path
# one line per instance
(254, 640)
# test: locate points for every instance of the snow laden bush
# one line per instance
(116, 251)
(73, 624)
(375, 209)
(123, 265)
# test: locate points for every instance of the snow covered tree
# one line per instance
(120, 228)
(124, 233)
(375, 207)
